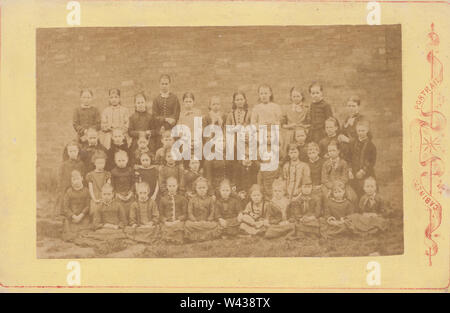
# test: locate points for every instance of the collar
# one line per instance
(297, 107)
(363, 140)
(164, 95)
(314, 161)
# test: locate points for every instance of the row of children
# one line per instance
(316, 150)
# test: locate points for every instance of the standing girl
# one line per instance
(201, 224)
(85, 116)
(115, 116)
(295, 172)
(266, 112)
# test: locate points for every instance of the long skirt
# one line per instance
(173, 233)
(201, 230)
(103, 240)
(143, 234)
(364, 225)
(276, 230)
(231, 228)
(329, 231)
(306, 228)
(72, 230)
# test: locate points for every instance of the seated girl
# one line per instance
(201, 224)
(336, 168)
(336, 207)
(173, 213)
(144, 216)
(75, 208)
(227, 210)
(276, 212)
(252, 219)
(372, 211)
(106, 213)
(304, 213)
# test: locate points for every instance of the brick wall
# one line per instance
(363, 60)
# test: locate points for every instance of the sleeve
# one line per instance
(326, 208)
(155, 111)
(316, 207)
(247, 208)
(229, 119)
(184, 209)
(325, 175)
(328, 111)
(361, 203)
(123, 218)
(125, 119)
(181, 183)
(154, 213)
(254, 118)
(177, 109)
(217, 210)
(133, 214)
(97, 119)
(306, 177)
(190, 210)
(370, 158)
(350, 208)
(131, 128)
(212, 208)
(289, 212)
(87, 202)
(77, 123)
(344, 175)
(161, 209)
(67, 209)
(105, 122)
(97, 217)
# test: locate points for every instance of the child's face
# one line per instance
(330, 128)
(333, 151)
(296, 97)
(293, 154)
(352, 108)
(77, 181)
(316, 93)
(338, 193)
(172, 186)
(85, 99)
(306, 189)
(100, 163)
(225, 191)
(256, 197)
(142, 143)
(215, 104)
(202, 189)
(107, 195)
(188, 103)
(145, 160)
(169, 159)
(300, 137)
(264, 94)
(370, 187)
(142, 194)
(362, 131)
(72, 151)
(114, 99)
(194, 165)
(141, 105)
(117, 137)
(239, 100)
(164, 85)
(121, 161)
(167, 141)
(92, 138)
(277, 192)
(312, 152)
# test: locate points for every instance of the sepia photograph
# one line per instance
(317, 110)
